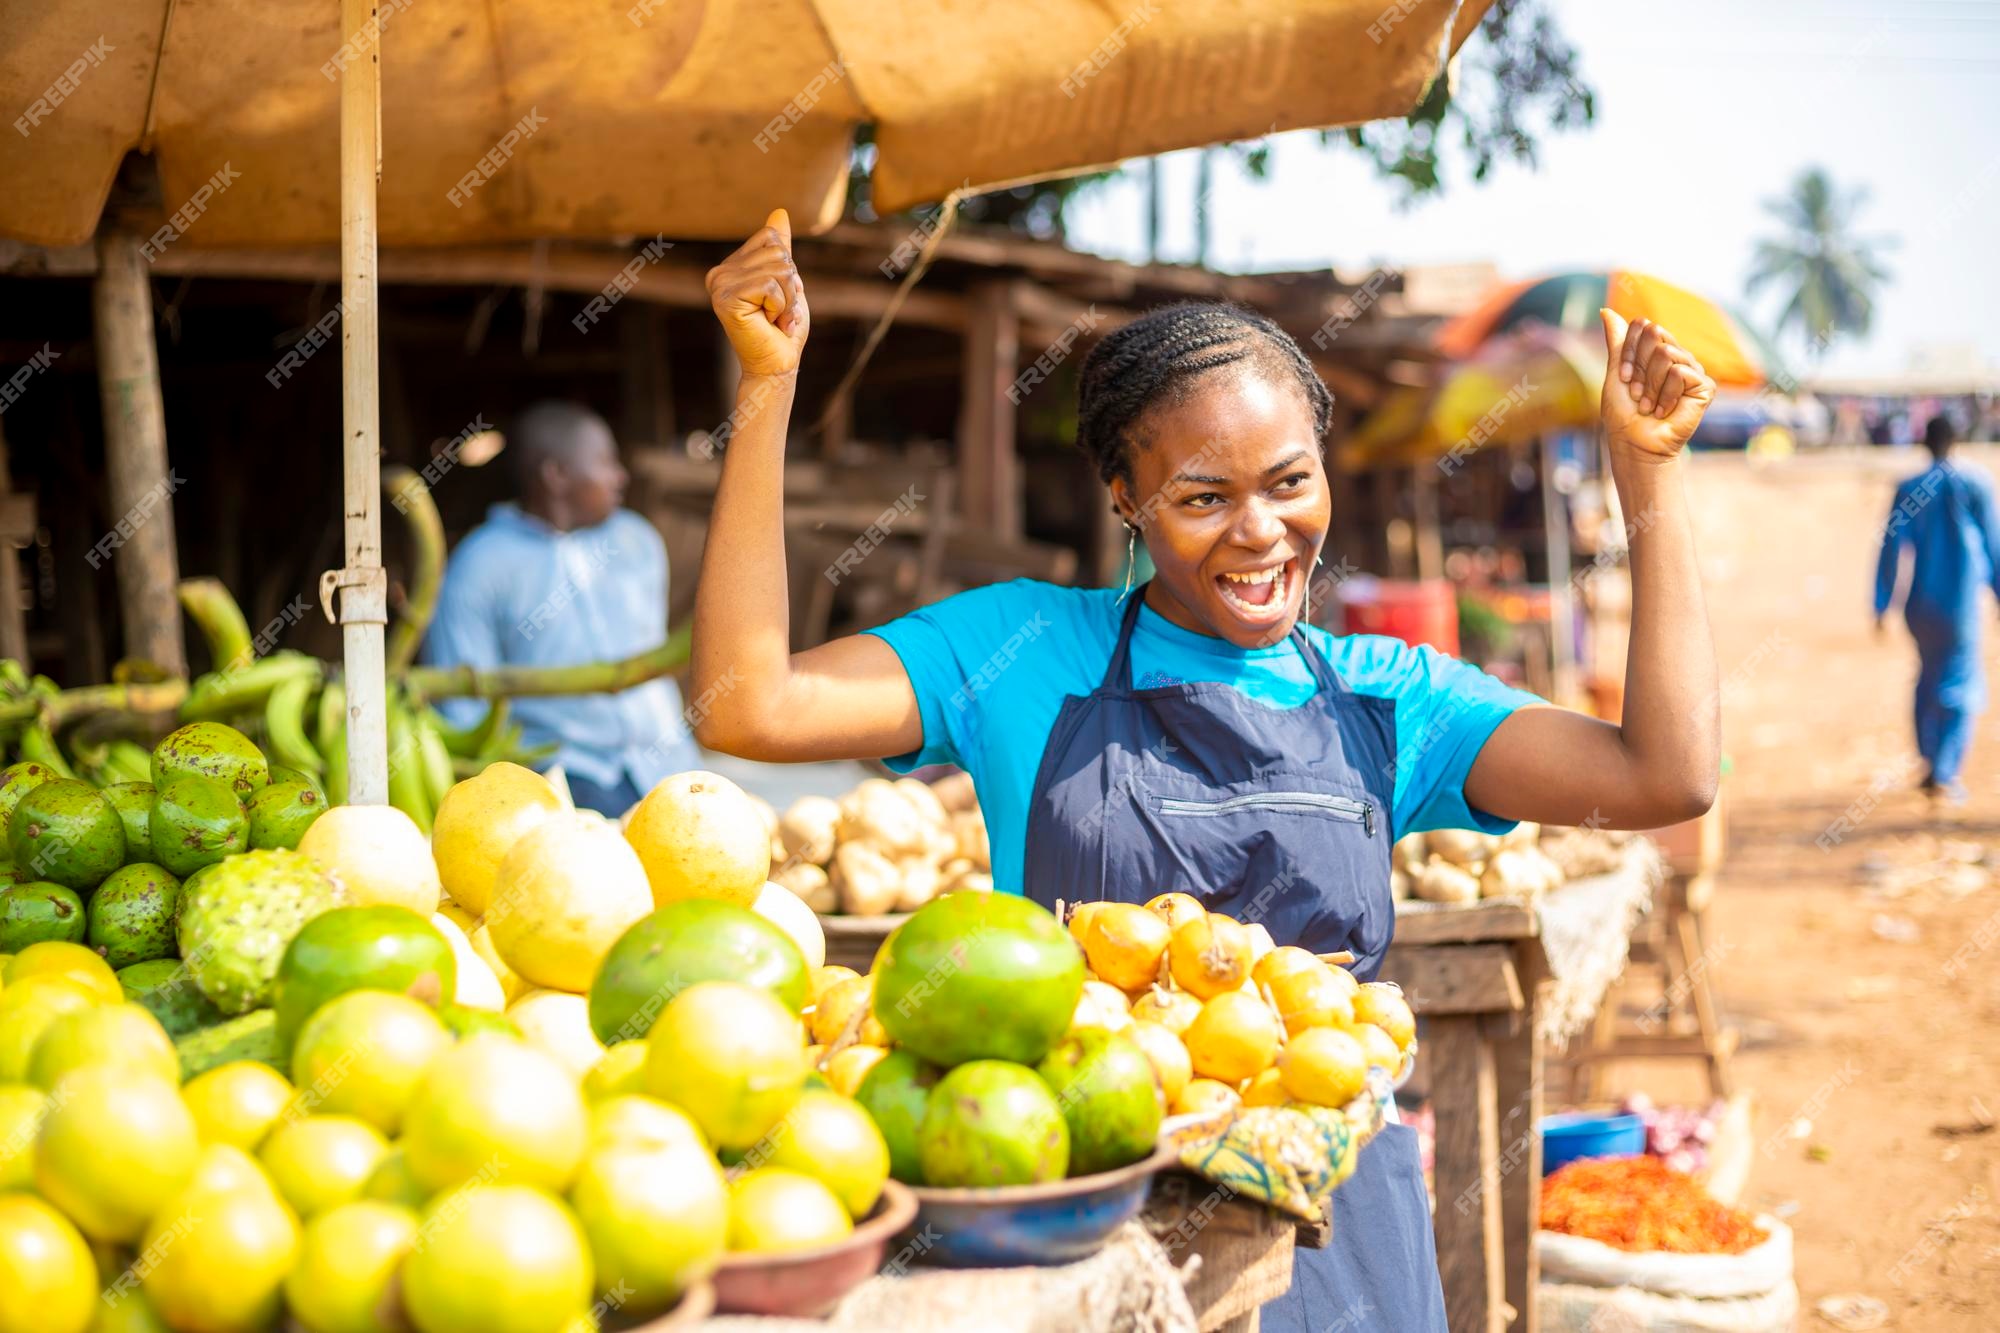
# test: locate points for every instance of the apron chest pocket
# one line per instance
(1293, 802)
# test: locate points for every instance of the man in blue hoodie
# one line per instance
(564, 576)
(1946, 516)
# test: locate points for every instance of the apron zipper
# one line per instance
(1345, 807)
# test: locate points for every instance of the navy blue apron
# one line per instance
(1272, 815)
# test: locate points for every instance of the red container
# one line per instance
(1417, 612)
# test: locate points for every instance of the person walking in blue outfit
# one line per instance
(1944, 516)
(566, 576)
(1196, 734)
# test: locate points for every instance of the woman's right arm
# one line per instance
(752, 696)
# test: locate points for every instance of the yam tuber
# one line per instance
(919, 883)
(807, 829)
(970, 829)
(866, 877)
(1460, 846)
(810, 883)
(1441, 881)
(877, 812)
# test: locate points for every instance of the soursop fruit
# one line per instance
(238, 916)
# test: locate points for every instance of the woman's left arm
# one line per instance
(1659, 765)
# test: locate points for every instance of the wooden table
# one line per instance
(1471, 973)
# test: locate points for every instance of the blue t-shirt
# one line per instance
(992, 666)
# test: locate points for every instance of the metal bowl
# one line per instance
(808, 1283)
(1007, 1226)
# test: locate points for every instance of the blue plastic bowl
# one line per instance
(1577, 1135)
(1013, 1225)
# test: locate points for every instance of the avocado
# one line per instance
(279, 773)
(164, 988)
(134, 803)
(66, 833)
(212, 750)
(132, 915)
(37, 911)
(281, 813)
(16, 781)
(196, 821)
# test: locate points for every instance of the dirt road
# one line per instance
(1869, 999)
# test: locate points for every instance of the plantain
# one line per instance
(212, 608)
(221, 695)
(438, 777)
(129, 760)
(330, 724)
(333, 744)
(285, 725)
(407, 789)
(39, 744)
(466, 742)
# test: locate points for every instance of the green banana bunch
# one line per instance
(330, 737)
(218, 696)
(114, 761)
(466, 743)
(436, 755)
(39, 745)
(285, 737)
(408, 787)
(128, 761)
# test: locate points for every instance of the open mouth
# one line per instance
(1259, 595)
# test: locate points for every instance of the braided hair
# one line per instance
(1156, 360)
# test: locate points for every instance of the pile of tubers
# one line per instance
(1464, 865)
(884, 847)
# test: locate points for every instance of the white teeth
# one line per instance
(1262, 576)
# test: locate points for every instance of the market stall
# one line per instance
(1499, 983)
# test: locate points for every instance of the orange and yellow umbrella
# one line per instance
(1571, 301)
(1513, 390)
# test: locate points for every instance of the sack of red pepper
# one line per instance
(1631, 1243)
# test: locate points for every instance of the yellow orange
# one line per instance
(1206, 1094)
(1169, 1057)
(1124, 944)
(1324, 1066)
(1209, 954)
(1382, 1004)
(1174, 908)
(1233, 1038)
(1171, 1009)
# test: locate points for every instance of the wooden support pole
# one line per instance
(1464, 1097)
(135, 455)
(1517, 1061)
(991, 499)
(13, 615)
(361, 583)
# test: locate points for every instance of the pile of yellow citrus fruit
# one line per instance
(1227, 1018)
(402, 1176)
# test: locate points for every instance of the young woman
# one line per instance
(1192, 735)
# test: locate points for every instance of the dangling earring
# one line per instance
(1306, 597)
(1131, 547)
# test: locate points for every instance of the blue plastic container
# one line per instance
(1577, 1135)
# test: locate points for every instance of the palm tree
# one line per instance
(1830, 275)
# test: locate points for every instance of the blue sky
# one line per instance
(1704, 109)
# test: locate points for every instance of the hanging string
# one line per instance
(947, 214)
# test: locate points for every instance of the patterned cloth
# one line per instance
(1292, 1157)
